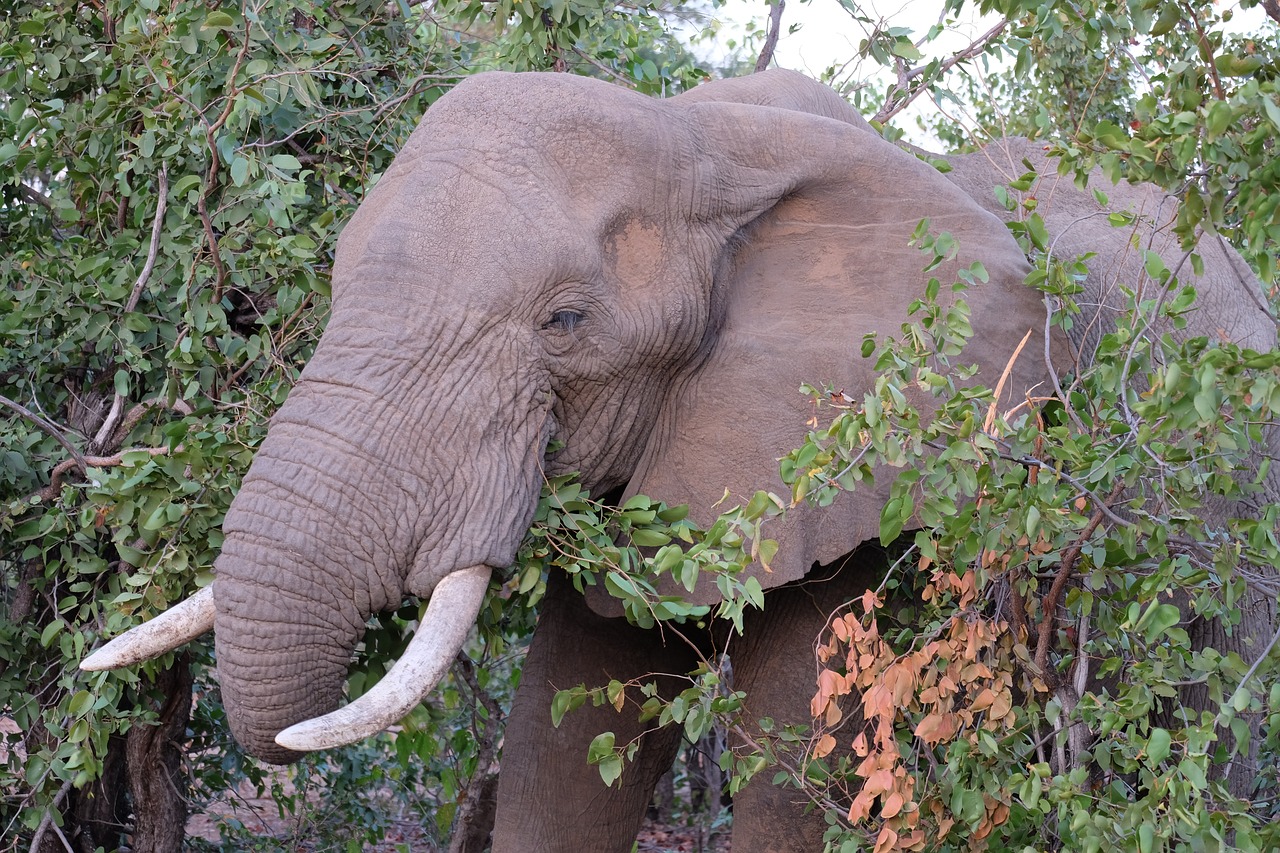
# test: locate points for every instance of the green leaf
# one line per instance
(1037, 233)
(1268, 105)
(80, 703)
(767, 549)
(50, 632)
(601, 748)
(649, 538)
(903, 48)
(1158, 746)
(1158, 619)
(186, 183)
(239, 171)
(611, 769)
(218, 21)
(897, 511)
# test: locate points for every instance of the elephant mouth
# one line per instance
(451, 611)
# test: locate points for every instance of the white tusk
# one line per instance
(177, 626)
(451, 612)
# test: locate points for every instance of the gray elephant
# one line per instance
(648, 282)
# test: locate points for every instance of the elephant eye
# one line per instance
(564, 320)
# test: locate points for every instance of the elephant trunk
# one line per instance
(282, 652)
(336, 521)
(317, 540)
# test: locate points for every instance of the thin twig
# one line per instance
(1248, 286)
(1053, 373)
(902, 98)
(1004, 378)
(47, 821)
(1243, 682)
(108, 428)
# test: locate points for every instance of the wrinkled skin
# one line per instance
(649, 283)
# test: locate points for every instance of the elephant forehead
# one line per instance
(458, 227)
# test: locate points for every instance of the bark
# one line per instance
(99, 813)
(474, 824)
(157, 783)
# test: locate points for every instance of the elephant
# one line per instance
(647, 283)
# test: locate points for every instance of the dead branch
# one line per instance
(46, 425)
(153, 248)
(139, 411)
(60, 470)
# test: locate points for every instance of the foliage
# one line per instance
(175, 176)
(1166, 93)
(1036, 685)
(1029, 672)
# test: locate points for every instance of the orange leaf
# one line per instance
(1002, 705)
(829, 686)
(935, 728)
(984, 700)
(826, 743)
(892, 805)
(860, 808)
(870, 601)
(887, 841)
(914, 841)
(860, 745)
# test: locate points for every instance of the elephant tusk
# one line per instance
(178, 625)
(451, 612)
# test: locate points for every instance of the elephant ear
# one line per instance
(813, 219)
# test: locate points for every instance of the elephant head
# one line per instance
(552, 257)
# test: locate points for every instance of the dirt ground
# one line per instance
(260, 816)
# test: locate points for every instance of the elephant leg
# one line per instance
(774, 663)
(549, 798)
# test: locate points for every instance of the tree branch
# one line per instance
(771, 40)
(1065, 568)
(162, 193)
(50, 491)
(903, 97)
(46, 822)
(46, 425)
(26, 193)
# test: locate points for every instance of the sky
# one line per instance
(829, 36)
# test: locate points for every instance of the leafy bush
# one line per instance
(178, 176)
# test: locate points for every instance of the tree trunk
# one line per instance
(157, 784)
(474, 824)
(99, 812)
